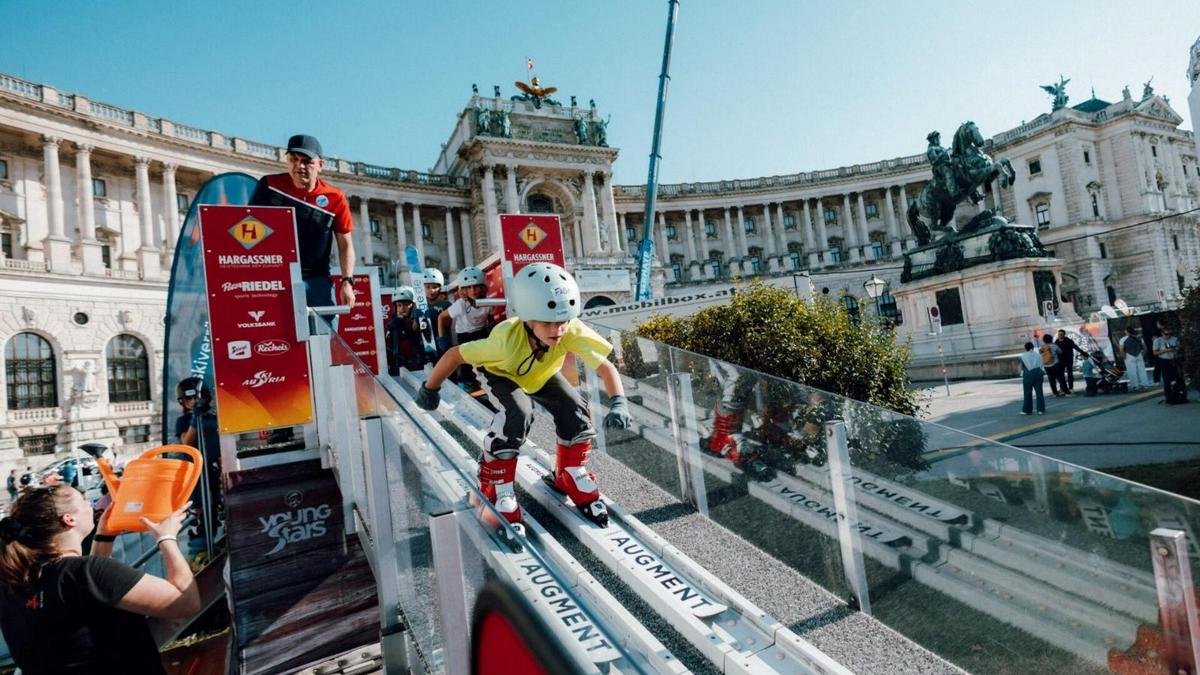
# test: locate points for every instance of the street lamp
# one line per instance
(874, 287)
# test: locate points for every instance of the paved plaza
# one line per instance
(1108, 430)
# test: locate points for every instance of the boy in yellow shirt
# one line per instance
(519, 362)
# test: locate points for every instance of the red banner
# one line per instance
(530, 238)
(261, 370)
(359, 328)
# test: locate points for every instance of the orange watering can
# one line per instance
(152, 487)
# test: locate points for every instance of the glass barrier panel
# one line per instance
(995, 558)
(748, 435)
(1043, 562)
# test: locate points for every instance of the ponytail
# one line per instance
(27, 536)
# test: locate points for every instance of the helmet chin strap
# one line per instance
(539, 349)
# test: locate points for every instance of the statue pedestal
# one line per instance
(999, 310)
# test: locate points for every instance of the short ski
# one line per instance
(417, 280)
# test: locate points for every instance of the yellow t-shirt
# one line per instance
(503, 350)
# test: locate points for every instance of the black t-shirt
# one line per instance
(69, 623)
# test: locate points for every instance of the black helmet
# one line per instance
(191, 387)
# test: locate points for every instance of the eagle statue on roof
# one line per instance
(535, 93)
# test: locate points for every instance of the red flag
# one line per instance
(528, 63)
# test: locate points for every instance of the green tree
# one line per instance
(816, 343)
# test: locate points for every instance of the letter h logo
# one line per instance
(249, 232)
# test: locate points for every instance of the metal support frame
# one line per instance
(393, 632)
(451, 588)
(1176, 599)
(323, 409)
(687, 454)
(853, 566)
(592, 382)
(347, 455)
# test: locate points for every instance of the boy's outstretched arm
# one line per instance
(618, 409)
(427, 395)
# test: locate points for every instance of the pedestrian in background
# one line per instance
(13, 478)
(1135, 368)
(1052, 363)
(1033, 373)
(1166, 350)
(1067, 348)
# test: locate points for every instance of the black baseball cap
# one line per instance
(305, 145)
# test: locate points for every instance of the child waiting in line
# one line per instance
(403, 339)
(519, 362)
(465, 320)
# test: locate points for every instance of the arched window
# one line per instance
(537, 203)
(128, 370)
(30, 372)
(887, 306)
(851, 304)
(755, 256)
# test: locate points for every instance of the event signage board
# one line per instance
(259, 365)
(362, 328)
(531, 238)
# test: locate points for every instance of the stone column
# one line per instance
(365, 254)
(730, 246)
(743, 247)
(889, 213)
(451, 242)
(57, 245)
(687, 235)
(591, 228)
(664, 245)
(419, 234)
(93, 262)
(609, 207)
(822, 230)
(489, 208)
(401, 235)
(781, 230)
(511, 200)
(170, 208)
(808, 233)
(621, 224)
(850, 229)
(768, 237)
(577, 239)
(1178, 179)
(903, 226)
(810, 237)
(148, 260)
(464, 219)
(864, 232)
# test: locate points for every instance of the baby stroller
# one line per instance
(1108, 375)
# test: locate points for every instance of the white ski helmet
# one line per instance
(545, 292)
(469, 276)
(404, 293)
(433, 276)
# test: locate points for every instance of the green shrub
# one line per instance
(815, 343)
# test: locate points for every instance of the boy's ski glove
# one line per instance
(618, 413)
(428, 399)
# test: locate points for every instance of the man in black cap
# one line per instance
(322, 216)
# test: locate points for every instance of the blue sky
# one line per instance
(759, 87)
